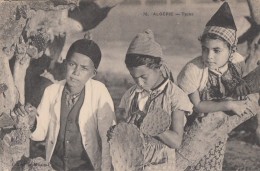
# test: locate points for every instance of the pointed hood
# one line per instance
(222, 24)
(223, 18)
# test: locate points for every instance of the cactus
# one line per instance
(37, 164)
(126, 148)
(253, 80)
(156, 122)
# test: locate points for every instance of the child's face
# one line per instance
(145, 77)
(215, 53)
(80, 69)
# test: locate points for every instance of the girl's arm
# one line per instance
(208, 106)
(173, 136)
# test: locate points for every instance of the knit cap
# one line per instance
(144, 44)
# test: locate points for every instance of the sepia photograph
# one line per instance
(129, 85)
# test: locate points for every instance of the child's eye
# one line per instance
(217, 51)
(85, 69)
(71, 64)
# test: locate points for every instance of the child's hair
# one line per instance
(135, 60)
(214, 37)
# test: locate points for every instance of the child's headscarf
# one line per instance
(144, 44)
(222, 24)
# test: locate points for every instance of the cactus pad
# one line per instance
(37, 164)
(253, 80)
(126, 148)
(156, 122)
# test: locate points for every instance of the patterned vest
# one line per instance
(69, 153)
(221, 86)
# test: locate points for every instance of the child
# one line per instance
(210, 80)
(154, 89)
(75, 114)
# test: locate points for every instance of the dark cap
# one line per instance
(88, 48)
(223, 18)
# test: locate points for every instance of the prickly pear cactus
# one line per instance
(156, 122)
(253, 80)
(203, 134)
(14, 144)
(37, 164)
(126, 148)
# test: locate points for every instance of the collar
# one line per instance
(155, 90)
(67, 92)
(220, 71)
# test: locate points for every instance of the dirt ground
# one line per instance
(241, 156)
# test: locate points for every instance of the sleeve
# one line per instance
(189, 78)
(239, 62)
(180, 100)
(43, 117)
(121, 110)
(124, 103)
(106, 118)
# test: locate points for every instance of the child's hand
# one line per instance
(32, 113)
(28, 109)
(238, 106)
(19, 110)
(242, 90)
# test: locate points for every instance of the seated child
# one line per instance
(75, 114)
(212, 80)
(154, 88)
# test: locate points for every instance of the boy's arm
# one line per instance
(42, 117)
(208, 106)
(106, 118)
(173, 136)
